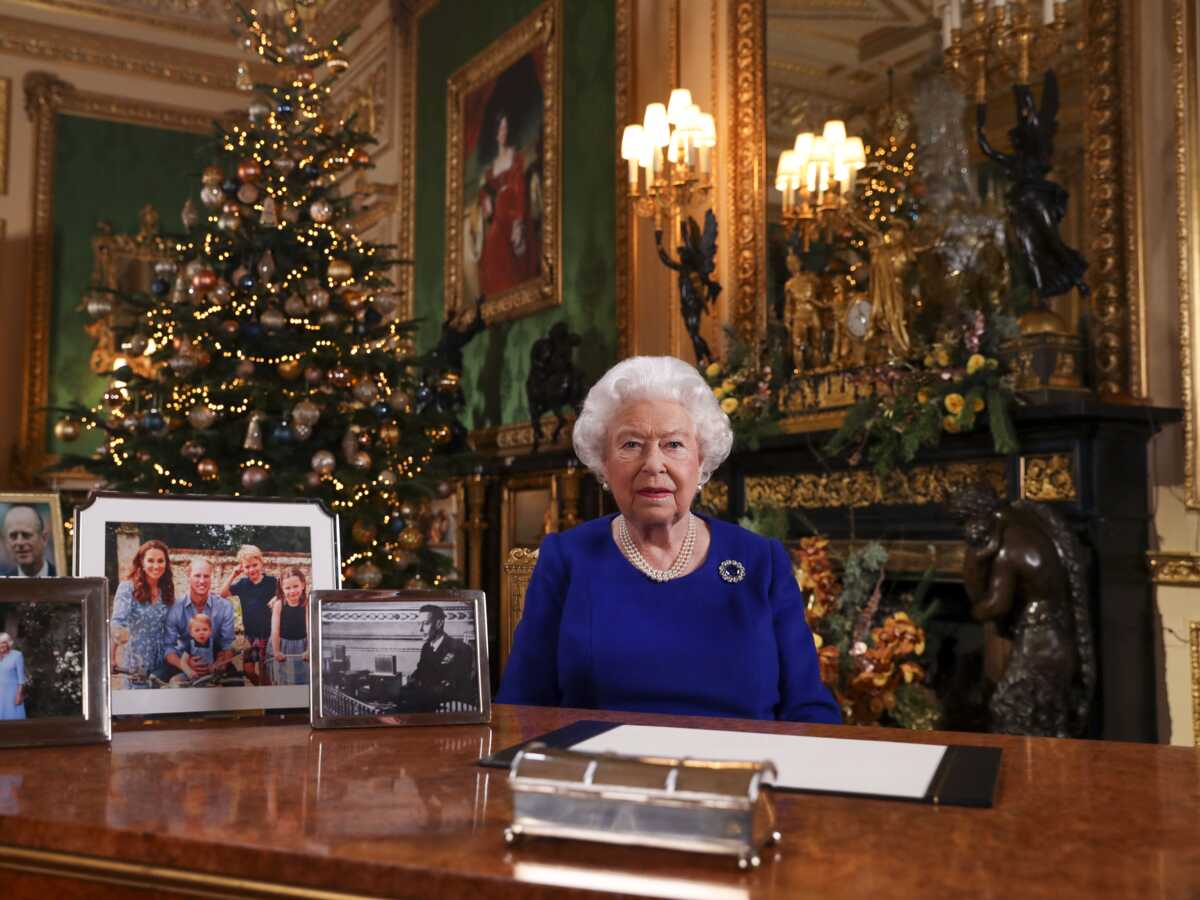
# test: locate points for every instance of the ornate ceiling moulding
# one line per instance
(1175, 569)
(338, 16)
(857, 488)
(53, 43)
(200, 18)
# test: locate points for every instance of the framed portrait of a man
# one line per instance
(31, 536)
(503, 235)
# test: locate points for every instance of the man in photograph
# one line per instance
(200, 600)
(26, 539)
(444, 671)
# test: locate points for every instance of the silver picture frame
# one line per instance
(111, 528)
(399, 658)
(58, 630)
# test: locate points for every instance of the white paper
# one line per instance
(884, 768)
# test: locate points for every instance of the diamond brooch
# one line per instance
(732, 571)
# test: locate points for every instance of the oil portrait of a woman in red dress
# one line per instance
(502, 180)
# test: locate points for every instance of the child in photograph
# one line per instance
(12, 680)
(289, 629)
(197, 648)
(255, 590)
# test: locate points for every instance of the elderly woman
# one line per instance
(12, 680)
(659, 609)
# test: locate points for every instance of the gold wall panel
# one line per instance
(1187, 190)
(1048, 478)
(858, 488)
(1180, 569)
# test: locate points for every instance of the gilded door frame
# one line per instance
(1112, 203)
(1187, 191)
(46, 96)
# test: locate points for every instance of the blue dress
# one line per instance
(12, 676)
(598, 634)
(147, 624)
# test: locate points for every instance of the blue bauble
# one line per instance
(153, 421)
(360, 329)
(159, 287)
(247, 282)
(252, 330)
(396, 524)
(283, 434)
(310, 170)
(424, 393)
(382, 410)
(284, 108)
(230, 187)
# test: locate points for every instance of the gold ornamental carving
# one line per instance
(858, 488)
(45, 97)
(1194, 647)
(748, 187)
(5, 106)
(1173, 568)
(366, 100)
(54, 43)
(518, 569)
(517, 439)
(1187, 191)
(1048, 478)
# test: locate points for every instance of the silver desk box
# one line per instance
(706, 806)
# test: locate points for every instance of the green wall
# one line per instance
(104, 170)
(497, 362)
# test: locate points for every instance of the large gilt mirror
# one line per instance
(924, 226)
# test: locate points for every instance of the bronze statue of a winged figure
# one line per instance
(696, 264)
(1036, 205)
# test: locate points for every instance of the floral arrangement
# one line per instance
(747, 391)
(960, 380)
(875, 672)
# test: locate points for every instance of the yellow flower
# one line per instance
(943, 358)
(713, 370)
(954, 403)
(727, 385)
(978, 405)
(922, 396)
(951, 424)
(718, 392)
(729, 404)
(817, 640)
(975, 363)
(929, 360)
(993, 363)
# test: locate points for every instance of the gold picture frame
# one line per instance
(1187, 190)
(1194, 647)
(48, 507)
(5, 106)
(46, 96)
(507, 250)
(1112, 201)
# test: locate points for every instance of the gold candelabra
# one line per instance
(1016, 35)
(816, 178)
(673, 147)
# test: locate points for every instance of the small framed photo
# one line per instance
(31, 528)
(209, 597)
(443, 529)
(399, 658)
(53, 662)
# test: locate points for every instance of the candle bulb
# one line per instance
(945, 28)
(956, 14)
(1047, 12)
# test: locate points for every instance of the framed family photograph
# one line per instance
(208, 600)
(503, 234)
(399, 658)
(32, 532)
(53, 661)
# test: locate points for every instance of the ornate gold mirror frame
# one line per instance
(46, 97)
(1112, 200)
(1187, 190)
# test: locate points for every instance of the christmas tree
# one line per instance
(270, 359)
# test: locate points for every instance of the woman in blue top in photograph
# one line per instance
(139, 616)
(12, 680)
(659, 609)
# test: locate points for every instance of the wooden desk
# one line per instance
(279, 810)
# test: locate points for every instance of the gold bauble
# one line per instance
(363, 531)
(340, 270)
(361, 460)
(368, 575)
(387, 478)
(254, 477)
(341, 376)
(66, 430)
(411, 538)
(249, 170)
(389, 433)
(208, 469)
(323, 462)
(212, 176)
(290, 369)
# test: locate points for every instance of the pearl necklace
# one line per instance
(629, 548)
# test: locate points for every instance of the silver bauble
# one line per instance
(294, 306)
(302, 432)
(323, 462)
(368, 576)
(285, 165)
(306, 413)
(272, 319)
(295, 51)
(247, 193)
(212, 195)
(258, 111)
(202, 416)
(321, 211)
(318, 299)
(227, 222)
(165, 268)
(220, 294)
(254, 477)
(365, 391)
(99, 306)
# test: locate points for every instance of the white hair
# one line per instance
(652, 378)
(5, 639)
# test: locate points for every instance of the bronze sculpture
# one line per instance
(553, 380)
(697, 288)
(1036, 205)
(802, 315)
(1024, 571)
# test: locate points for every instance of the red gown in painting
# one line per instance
(510, 252)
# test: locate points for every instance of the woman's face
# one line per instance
(154, 563)
(293, 588)
(502, 132)
(5, 646)
(652, 461)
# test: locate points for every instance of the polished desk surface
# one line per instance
(264, 809)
